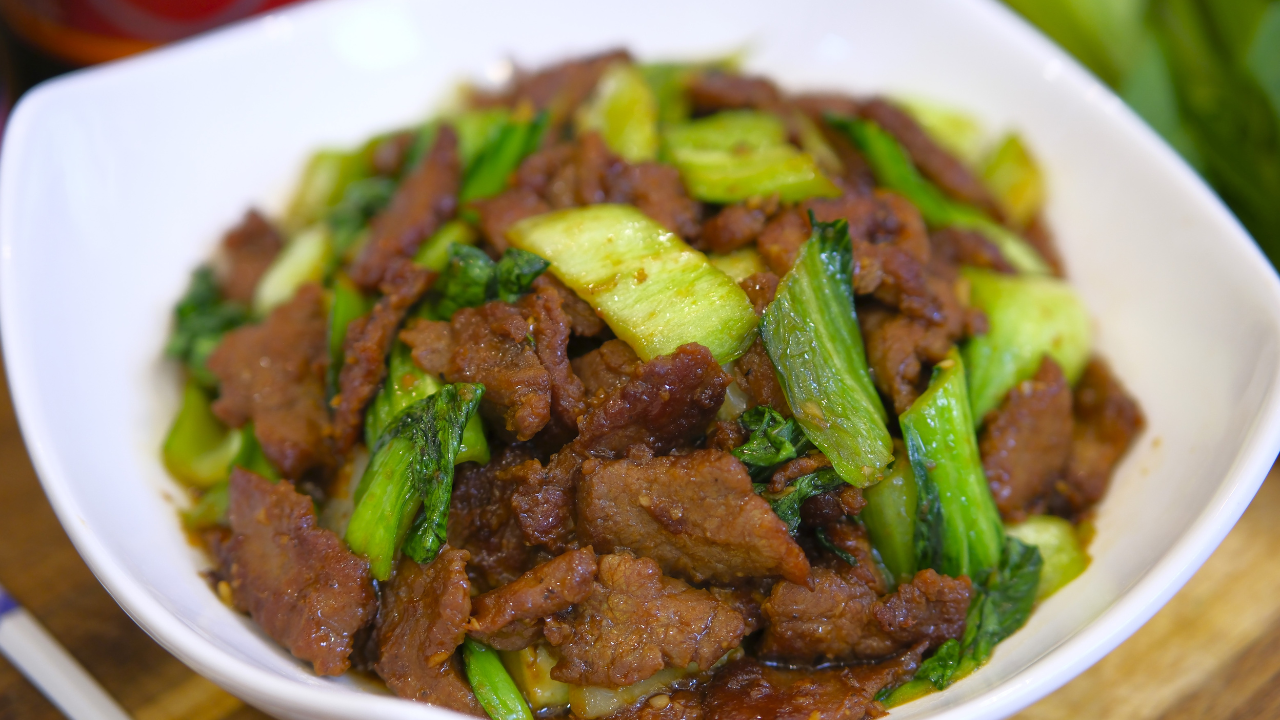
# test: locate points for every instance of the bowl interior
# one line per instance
(116, 182)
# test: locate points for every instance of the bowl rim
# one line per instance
(1136, 604)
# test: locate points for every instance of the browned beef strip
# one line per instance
(482, 522)
(637, 622)
(510, 617)
(695, 514)
(658, 192)
(421, 623)
(273, 374)
(669, 403)
(726, 435)
(250, 248)
(299, 581)
(716, 90)
(432, 345)
(1025, 442)
(747, 598)
(935, 163)
(493, 346)
(898, 350)
(746, 689)
(857, 176)
(758, 378)
(389, 155)
(1107, 420)
(607, 368)
(544, 306)
(850, 537)
(954, 247)
(424, 201)
(558, 89)
(831, 506)
(678, 705)
(797, 468)
(761, 288)
(733, 227)
(841, 617)
(582, 317)
(498, 213)
(779, 243)
(369, 339)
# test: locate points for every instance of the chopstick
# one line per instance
(48, 665)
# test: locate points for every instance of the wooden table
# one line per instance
(1213, 652)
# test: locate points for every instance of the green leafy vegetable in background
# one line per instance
(360, 201)
(201, 317)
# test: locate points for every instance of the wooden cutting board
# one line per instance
(1213, 652)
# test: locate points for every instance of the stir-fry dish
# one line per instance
(648, 391)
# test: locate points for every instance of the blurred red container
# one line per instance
(83, 32)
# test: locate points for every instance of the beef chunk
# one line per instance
(493, 346)
(422, 622)
(841, 618)
(726, 435)
(583, 320)
(365, 349)
(250, 248)
(733, 227)
(607, 368)
(954, 246)
(899, 349)
(716, 90)
(299, 581)
(779, 243)
(758, 378)
(498, 213)
(482, 522)
(695, 514)
(389, 154)
(846, 535)
(658, 192)
(423, 202)
(637, 622)
(746, 689)
(1025, 442)
(443, 686)
(668, 404)
(558, 89)
(551, 328)
(1107, 420)
(761, 288)
(273, 374)
(950, 174)
(509, 618)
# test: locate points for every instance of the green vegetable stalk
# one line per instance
(346, 303)
(811, 333)
(625, 112)
(199, 449)
(893, 169)
(655, 292)
(495, 690)
(773, 441)
(890, 517)
(1064, 558)
(471, 279)
(959, 530)
(412, 462)
(201, 318)
(322, 185)
(1014, 178)
(1029, 317)
(406, 384)
(515, 140)
(211, 509)
(307, 257)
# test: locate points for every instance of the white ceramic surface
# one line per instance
(115, 182)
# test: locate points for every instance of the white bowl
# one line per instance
(116, 181)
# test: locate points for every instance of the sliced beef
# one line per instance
(949, 173)
(658, 192)
(716, 90)
(369, 339)
(607, 368)
(846, 535)
(695, 514)
(250, 248)
(482, 522)
(432, 345)
(558, 89)
(840, 617)
(298, 581)
(424, 201)
(899, 350)
(727, 435)
(669, 403)
(544, 306)
(273, 374)
(422, 622)
(954, 247)
(1025, 442)
(761, 288)
(779, 243)
(584, 322)
(389, 155)
(498, 213)
(1107, 421)
(734, 227)
(636, 622)
(510, 617)
(758, 378)
(678, 705)
(493, 346)
(747, 689)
